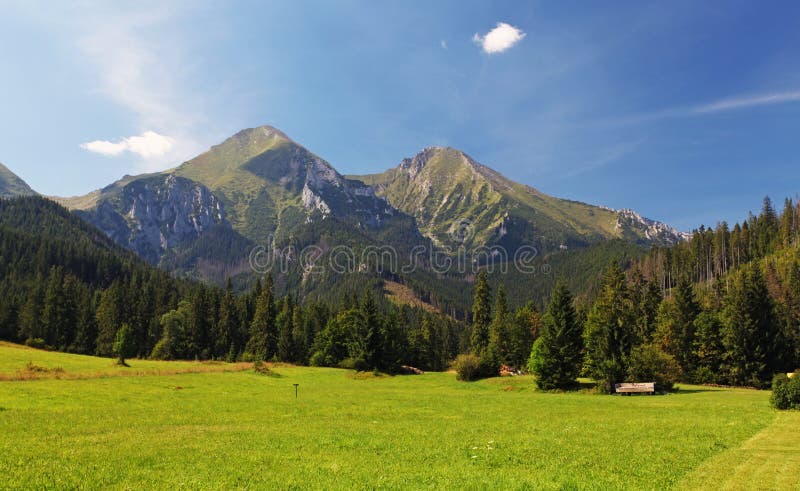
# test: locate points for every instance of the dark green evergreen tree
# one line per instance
(609, 333)
(499, 330)
(558, 353)
(752, 336)
(262, 343)
(481, 315)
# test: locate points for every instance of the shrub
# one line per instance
(647, 363)
(37, 343)
(261, 368)
(317, 359)
(705, 375)
(467, 367)
(786, 391)
(536, 361)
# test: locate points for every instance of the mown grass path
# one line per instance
(768, 460)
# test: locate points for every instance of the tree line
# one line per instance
(721, 308)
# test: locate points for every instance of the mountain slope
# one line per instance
(457, 200)
(257, 188)
(270, 184)
(12, 185)
(155, 214)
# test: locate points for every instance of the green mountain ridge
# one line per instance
(12, 185)
(445, 189)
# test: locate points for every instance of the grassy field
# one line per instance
(23, 363)
(241, 429)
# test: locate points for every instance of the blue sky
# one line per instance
(688, 112)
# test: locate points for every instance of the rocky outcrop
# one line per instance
(153, 215)
(652, 231)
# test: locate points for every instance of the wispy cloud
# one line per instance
(137, 58)
(714, 107)
(748, 101)
(147, 145)
(499, 39)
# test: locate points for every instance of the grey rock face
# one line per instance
(152, 215)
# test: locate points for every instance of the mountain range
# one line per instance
(203, 218)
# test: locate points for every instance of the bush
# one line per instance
(705, 375)
(647, 363)
(317, 359)
(357, 364)
(467, 367)
(786, 391)
(261, 368)
(37, 343)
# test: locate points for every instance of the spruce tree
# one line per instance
(109, 317)
(225, 332)
(372, 333)
(708, 349)
(558, 353)
(285, 327)
(676, 325)
(609, 333)
(752, 335)
(481, 315)
(499, 329)
(56, 315)
(262, 342)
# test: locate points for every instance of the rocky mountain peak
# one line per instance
(12, 185)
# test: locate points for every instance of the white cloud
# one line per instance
(499, 39)
(148, 145)
(443, 44)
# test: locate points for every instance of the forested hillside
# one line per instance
(64, 285)
(724, 306)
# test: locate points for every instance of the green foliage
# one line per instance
(676, 325)
(557, 355)
(468, 367)
(786, 391)
(124, 344)
(609, 333)
(752, 336)
(708, 348)
(526, 326)
(173, 342)
(481, 314)
(648, 363)
(500, 331)
(263, 336)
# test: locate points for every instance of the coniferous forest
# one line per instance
(721, 308)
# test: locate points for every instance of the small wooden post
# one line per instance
(295, 390)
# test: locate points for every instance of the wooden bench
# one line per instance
(635, 388)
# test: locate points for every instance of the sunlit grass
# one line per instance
(225, 430)
(23, 363)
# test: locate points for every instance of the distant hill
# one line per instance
(12, 185)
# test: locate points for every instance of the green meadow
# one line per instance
(148, 427)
